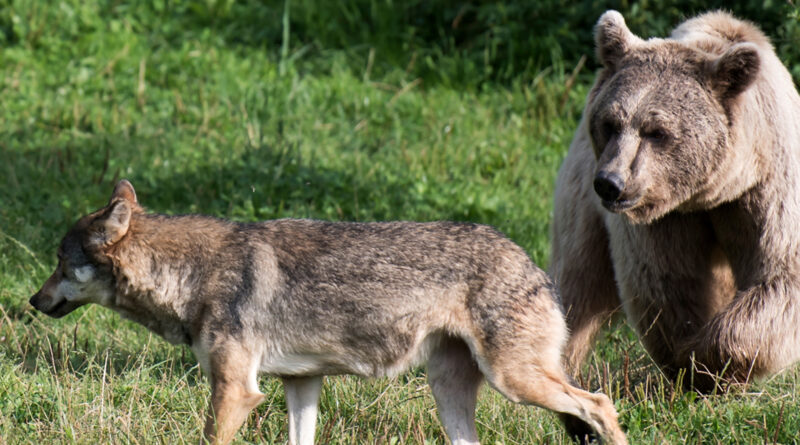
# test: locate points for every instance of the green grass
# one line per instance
(209, 107)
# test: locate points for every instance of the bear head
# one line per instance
(660, 117)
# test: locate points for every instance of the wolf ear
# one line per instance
(735, 70)
(113, 222)
(111, 225)
(123, 190)
(613, 38)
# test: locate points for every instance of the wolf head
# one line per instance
(83, 274)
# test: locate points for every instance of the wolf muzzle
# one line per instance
(59, 310)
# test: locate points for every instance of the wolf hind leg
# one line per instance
(455, 379)
(302, 401)
(524, 362)
(550, 388)
(576, 428)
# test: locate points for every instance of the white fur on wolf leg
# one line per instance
(456, 396)
(461, 430)
(302, 399)
(455, 379)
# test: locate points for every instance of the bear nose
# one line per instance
(608, 185)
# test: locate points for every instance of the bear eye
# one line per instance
(610, 129)
(655, 135)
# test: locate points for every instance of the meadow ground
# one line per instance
(235, 111)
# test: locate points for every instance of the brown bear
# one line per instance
(678, 201)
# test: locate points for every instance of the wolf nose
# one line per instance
(35, 300)
(608, 185)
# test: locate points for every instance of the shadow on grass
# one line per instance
(47, 189)
(278, 182)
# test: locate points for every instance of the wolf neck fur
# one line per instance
(157, 283)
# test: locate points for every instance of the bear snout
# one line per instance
(608, 185)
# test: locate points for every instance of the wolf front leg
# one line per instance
(234, 393)
(455, 379)
(756, 335)
(302, 400)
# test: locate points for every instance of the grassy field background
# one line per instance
(363, 110)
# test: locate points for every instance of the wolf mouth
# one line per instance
(63, 308)
(53, 310)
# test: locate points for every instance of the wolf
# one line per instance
(301, 299)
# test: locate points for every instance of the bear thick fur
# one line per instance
(678, 201)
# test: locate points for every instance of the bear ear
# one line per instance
(123, 190)
(613, 38)
(735, 70)
(111, 225)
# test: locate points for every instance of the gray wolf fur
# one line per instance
(679, 201)
(300, 299)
